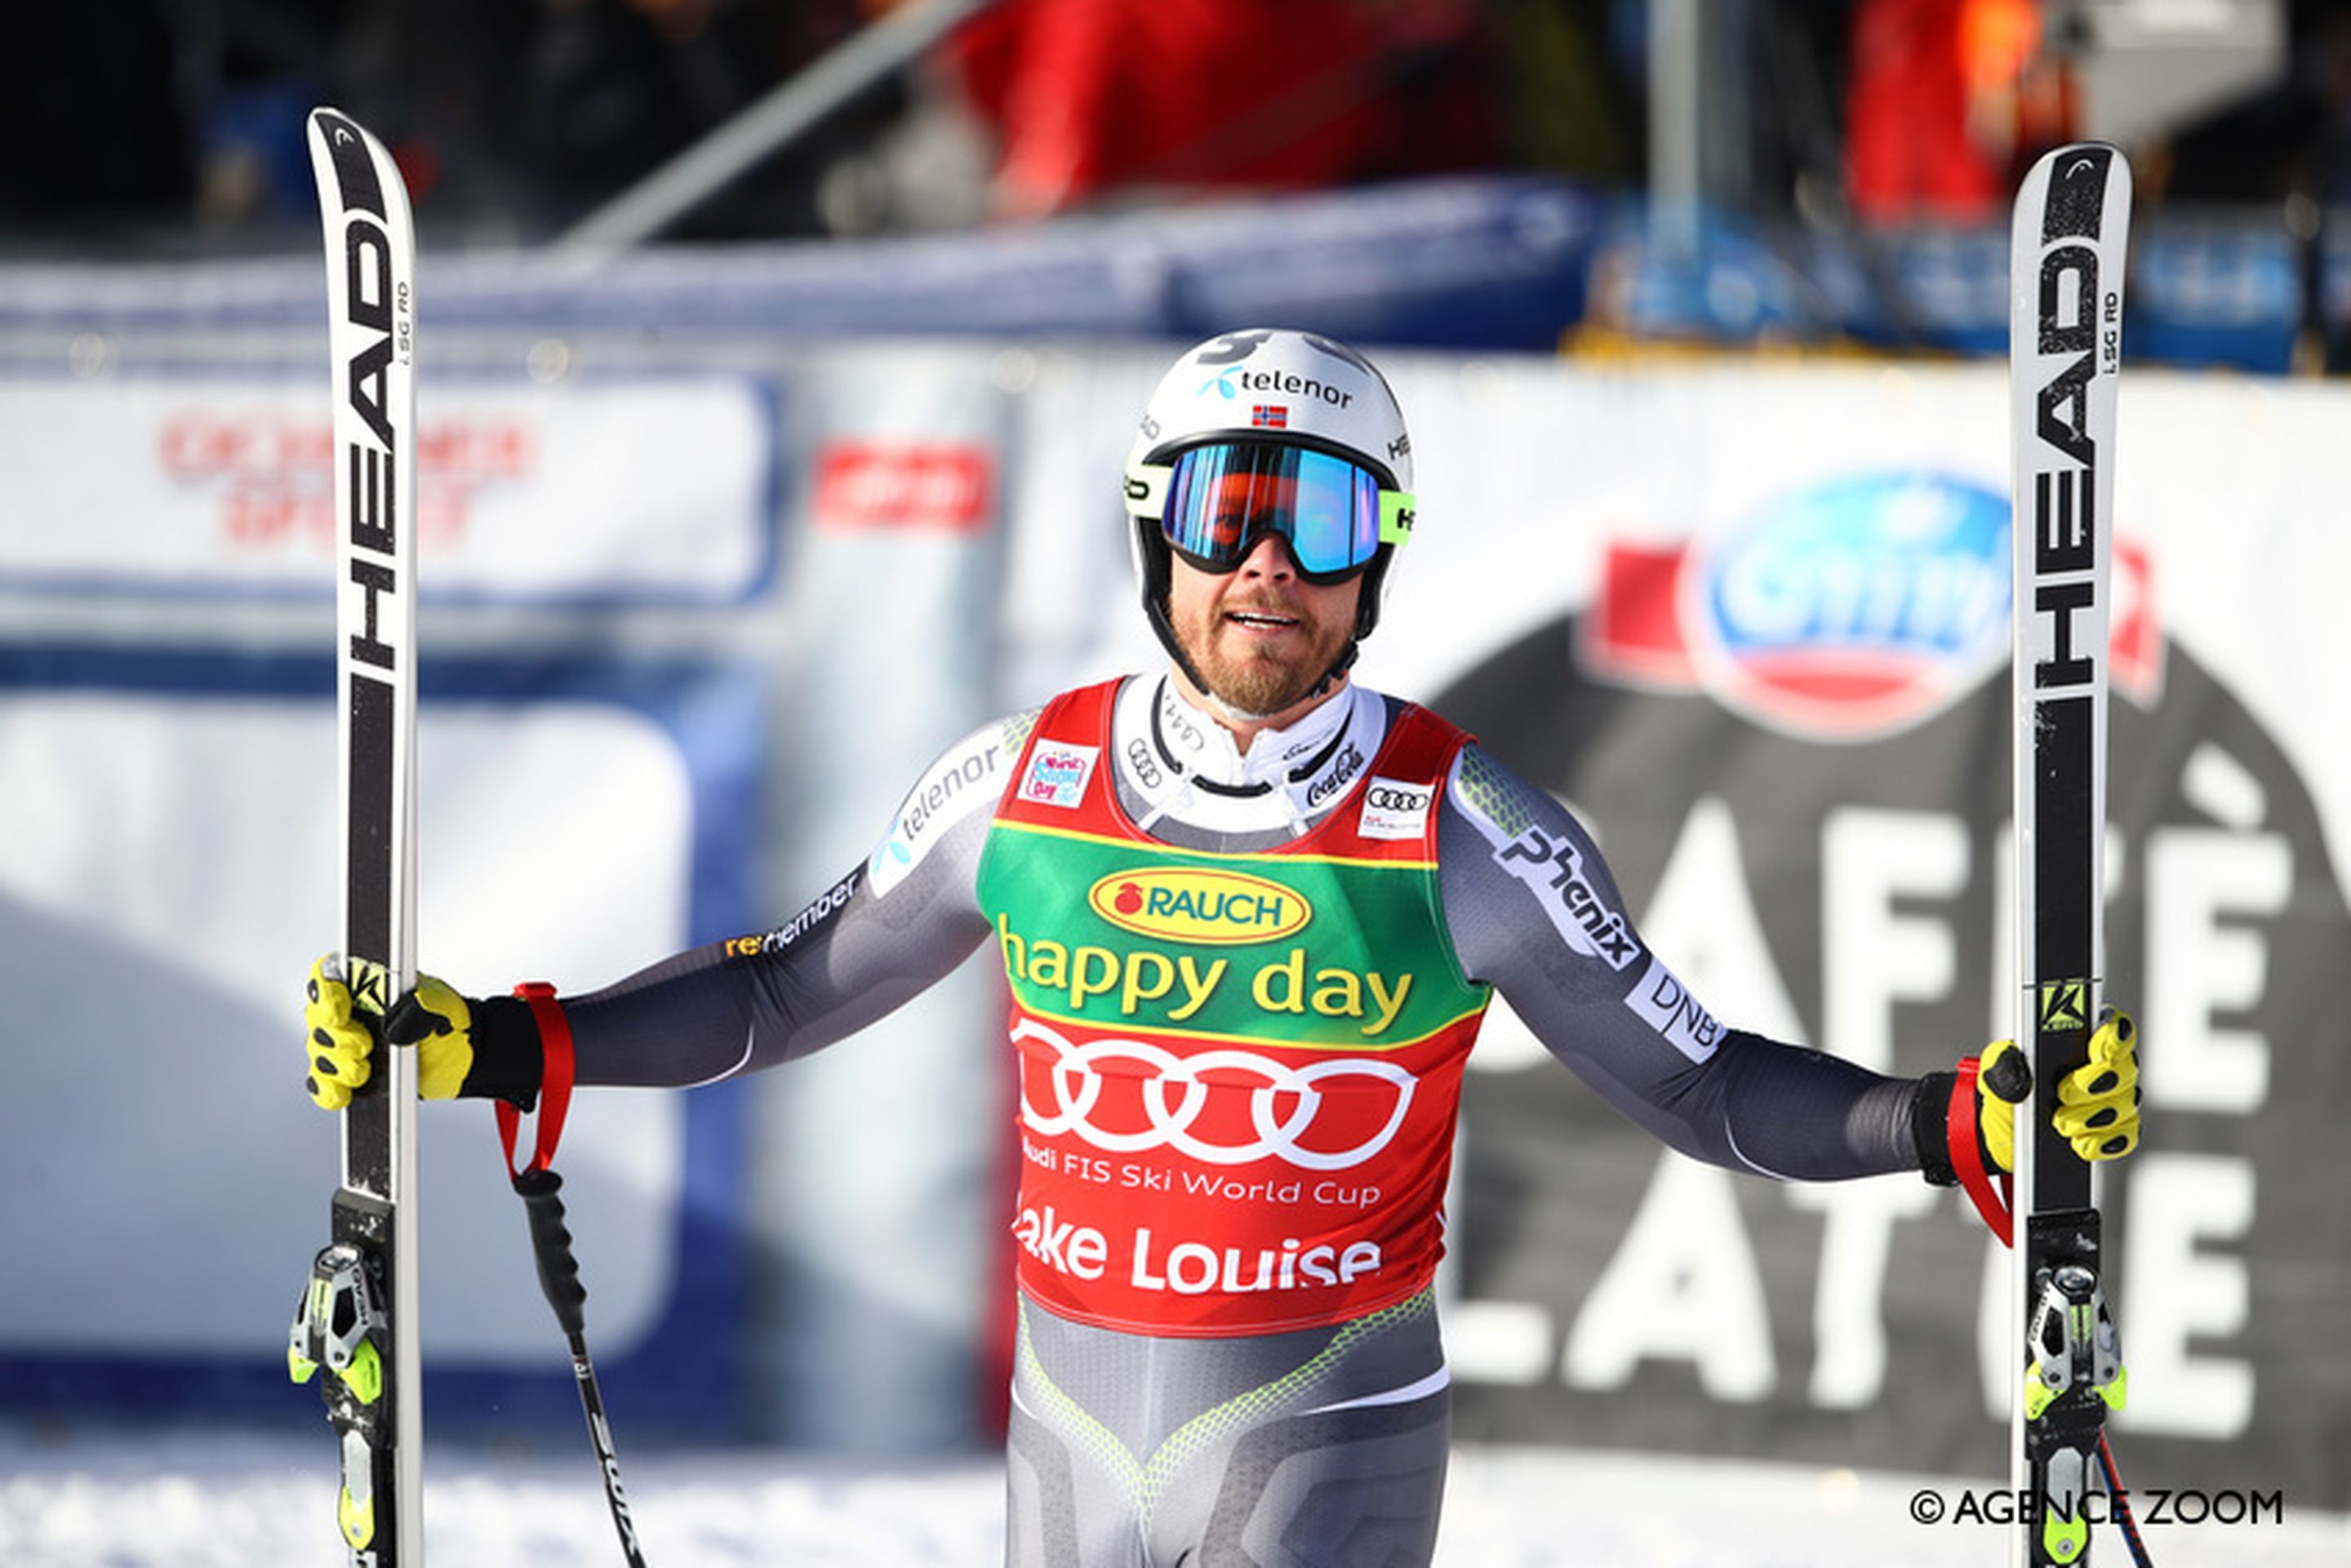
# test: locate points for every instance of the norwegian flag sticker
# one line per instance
(1269, 416)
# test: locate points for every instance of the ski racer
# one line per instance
(1250, 913)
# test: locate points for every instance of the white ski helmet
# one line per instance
(1287, 394)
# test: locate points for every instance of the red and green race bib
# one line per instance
(1238, 1074)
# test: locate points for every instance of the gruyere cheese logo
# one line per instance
(1184, 904)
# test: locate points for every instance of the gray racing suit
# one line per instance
(1318, 1446)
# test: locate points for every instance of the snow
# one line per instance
(73, 1496)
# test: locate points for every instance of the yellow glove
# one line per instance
(2097, 1103)
(346, 1013)
(439, 1023)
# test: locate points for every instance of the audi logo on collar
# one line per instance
(1388, 798)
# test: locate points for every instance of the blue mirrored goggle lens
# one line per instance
(1221, 498)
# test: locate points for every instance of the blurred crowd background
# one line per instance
(171, 127)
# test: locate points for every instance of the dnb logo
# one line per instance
(1846, 610)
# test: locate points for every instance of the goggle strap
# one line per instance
(1147, 488)
(1396, 509)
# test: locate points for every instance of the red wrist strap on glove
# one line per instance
(554, 1082)
(1990, 1191)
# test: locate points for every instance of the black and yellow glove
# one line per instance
(2097, 1103)
(346, 1014)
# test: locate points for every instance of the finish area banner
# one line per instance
(1775, 681)
(698, 614)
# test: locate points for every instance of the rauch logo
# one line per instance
(1179, 903)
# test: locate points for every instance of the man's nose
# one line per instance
(1269, 560)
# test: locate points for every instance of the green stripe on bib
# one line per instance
(1337, 954)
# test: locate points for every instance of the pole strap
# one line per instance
(1990, 1191)
(554, 1082)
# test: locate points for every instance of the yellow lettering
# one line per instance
(1081, 987)
(1198, 986)
(1049, 963)
(1389, 1005)
(1137, 990)
(1338, 994)
(1290, 975)
(1016, 951)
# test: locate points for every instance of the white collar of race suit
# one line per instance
(1183, 765)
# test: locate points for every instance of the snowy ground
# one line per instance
(74, 1499)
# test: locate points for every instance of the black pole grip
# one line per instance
(550, 1246)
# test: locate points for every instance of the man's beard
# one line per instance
(1259, 685)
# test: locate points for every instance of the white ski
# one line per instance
(368, 1277)
(2066, 258)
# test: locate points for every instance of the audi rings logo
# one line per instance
(1394, 810)
(1389, 798)
(1289, 1116)
(1181, 904)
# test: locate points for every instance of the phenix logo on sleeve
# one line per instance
(1238, 1074)
(1561, 874)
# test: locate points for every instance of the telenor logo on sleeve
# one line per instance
(1181, 904)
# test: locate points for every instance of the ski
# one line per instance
(358, 1318)
(2067, 248)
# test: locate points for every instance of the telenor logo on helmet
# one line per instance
(1200, 906)
(1231, 381)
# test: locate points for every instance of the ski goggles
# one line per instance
(1214, 502)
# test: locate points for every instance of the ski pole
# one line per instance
(558, 1276)
(540, 1190)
